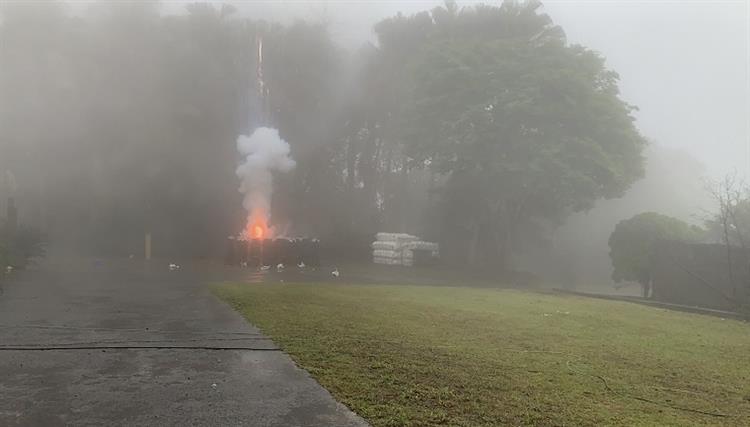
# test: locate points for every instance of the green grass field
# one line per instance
(418, 355)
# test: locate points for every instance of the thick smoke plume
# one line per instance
(265, 152)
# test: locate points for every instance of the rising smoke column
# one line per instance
(265, 152)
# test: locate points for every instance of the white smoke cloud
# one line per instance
(265, 152)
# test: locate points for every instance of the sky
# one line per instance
(684, 64)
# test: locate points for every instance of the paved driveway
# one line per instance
(106, 344)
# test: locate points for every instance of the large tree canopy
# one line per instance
(523, 127)
(632, 241)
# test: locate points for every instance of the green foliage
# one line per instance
(156, 103)
(537, 120)
(632, 241)
(485, 110)
(523, 127)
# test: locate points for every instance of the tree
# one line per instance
(136, 116)
(484, 113)
(731, 224)
(3, 256)
(522, 128)
(632, 241)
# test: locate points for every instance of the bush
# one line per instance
(631, 242)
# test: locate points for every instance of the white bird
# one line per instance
(280, 267)
(301, 264)
(265, 267)
(335, 272)
(173, 267)
(9, 269)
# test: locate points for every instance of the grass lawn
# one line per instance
(418, 355)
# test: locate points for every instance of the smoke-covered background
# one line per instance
(118, 118)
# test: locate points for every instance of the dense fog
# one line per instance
(482, 127)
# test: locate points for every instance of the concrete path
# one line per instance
(103, 344)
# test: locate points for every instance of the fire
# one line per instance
(258, 232)
(257, 229)
(257, 226)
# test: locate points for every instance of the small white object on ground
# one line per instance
(279, 267)
(213, 385)
(9, 269)
(243, 264)
(265, 267)
(335, 272)
(173, 267)
(301, 264)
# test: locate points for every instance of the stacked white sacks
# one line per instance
(397, 248)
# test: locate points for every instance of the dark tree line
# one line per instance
(477, 127)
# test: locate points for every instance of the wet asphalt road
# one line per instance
(94, 344)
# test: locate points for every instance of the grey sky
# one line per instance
(683, 63)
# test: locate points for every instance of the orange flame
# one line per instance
(258, 232)
(257, 226)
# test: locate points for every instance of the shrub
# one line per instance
(632, 240)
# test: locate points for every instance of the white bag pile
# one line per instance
(397, 248)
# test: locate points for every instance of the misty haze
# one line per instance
(344, 213)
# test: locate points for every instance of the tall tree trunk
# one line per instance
(367, 168)
(351, 159)
(501, 225)
(474, 248)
